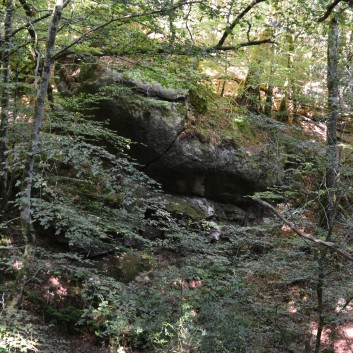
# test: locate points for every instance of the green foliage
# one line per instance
(81, 190)
(17, 333)
(199, 97)
(181, 291)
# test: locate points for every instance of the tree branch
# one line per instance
(29, 24)
(29, 13)
(240, 45)
(329, 10)
(327, 244)
(123, 19)
(230, 28)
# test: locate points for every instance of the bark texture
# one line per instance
(5, 108)
(39, 107)
(330, 204)
(27, 231)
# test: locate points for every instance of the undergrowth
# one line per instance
(115, 260)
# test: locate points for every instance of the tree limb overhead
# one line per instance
(230, 28)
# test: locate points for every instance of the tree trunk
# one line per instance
(330, 204)
(331, 134)
(172, 29)
(27, 231)
(289, 95)
(250, 96)
(39, 107)
(288, 106)
(5, 109)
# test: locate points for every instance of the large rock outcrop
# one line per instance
(155, 117)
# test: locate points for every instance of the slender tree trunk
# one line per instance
(250, 95)
(28, 234)
(30, 12)
(290, 87)
(269, 95)
(331, 168)
(331, 134)
(5, 109)
(171, 17)
(288, 106)
(320, 299)
(39, 107)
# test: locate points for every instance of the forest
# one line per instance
(175, 176)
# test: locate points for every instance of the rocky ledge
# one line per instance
(155, 117)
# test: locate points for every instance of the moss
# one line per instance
(131, 264)
(132, 101)
(243, 126)
(198, 101)
(200, 97)
(92, 195)
(89, 72)
(226, 124)
(186, 209)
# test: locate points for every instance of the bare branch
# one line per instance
(30, 24)
(240, 45)
(330, 8)
(327, 244)
(230, 28)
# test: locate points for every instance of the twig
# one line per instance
(347, 303)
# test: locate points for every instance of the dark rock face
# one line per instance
(154, 126)
(224, 174)
(182, 165)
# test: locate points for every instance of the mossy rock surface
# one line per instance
(158, 118)
(192, 208)
(127, 266)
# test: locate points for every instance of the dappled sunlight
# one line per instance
(17, 264)
(285, 228)
(292, 308)
(340, 339)
(314, 88)
(298, 299)
(55, 288)
(343, 306)
(343, 342)
(165, 179)
(317, 129)
(188, 284)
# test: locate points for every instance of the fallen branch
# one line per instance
(295, 229)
